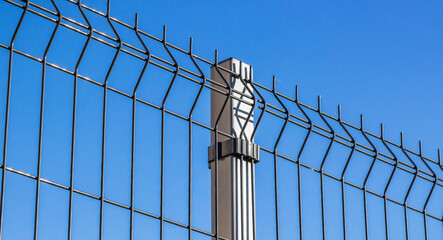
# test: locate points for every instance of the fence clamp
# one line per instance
(236, 147)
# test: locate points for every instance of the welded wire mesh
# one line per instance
(117, 131)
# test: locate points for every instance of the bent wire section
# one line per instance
(257, 96)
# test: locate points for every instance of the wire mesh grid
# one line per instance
(319, 178)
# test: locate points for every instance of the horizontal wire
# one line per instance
(115, 46)
(317, 170)
(115, 90)
(324, 131)
(349, 183)
(316, 130)
(345, 123)
(124, 43)
(209, 80)
(345, 141)
(357, 149)
(61, 186)
(196, 229)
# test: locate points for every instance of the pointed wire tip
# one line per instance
(136, 20)
(190, 44)
(273, 82)
(296, 92)
(109, 8)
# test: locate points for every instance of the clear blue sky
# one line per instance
(382, 59)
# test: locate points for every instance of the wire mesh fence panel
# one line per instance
(106, 135)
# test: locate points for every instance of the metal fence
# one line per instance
(128, 148)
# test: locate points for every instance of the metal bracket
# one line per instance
(236, 147)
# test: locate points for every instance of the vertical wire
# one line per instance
(240, 160)
(365, 205)
(248, 180)
(300, 222)
(105, 97)
(262, 108)
(242, 205)
(162, 187)
(74, 117)
(385, 207)
(248, 206)
(245, 83)
(430, 193)
(253, 200)
(235, 208)
(405, 200)
(40, 134)
(274, 91)
(190, 121)
(237, 179)
(228, 85)
(342, 177)
(253, 163)
(321, 168)
(439, 160)
(440, 165)
(8, 97)
(190, 177)
(134, 107)
(389, 182)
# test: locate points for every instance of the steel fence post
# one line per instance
(233, 177)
